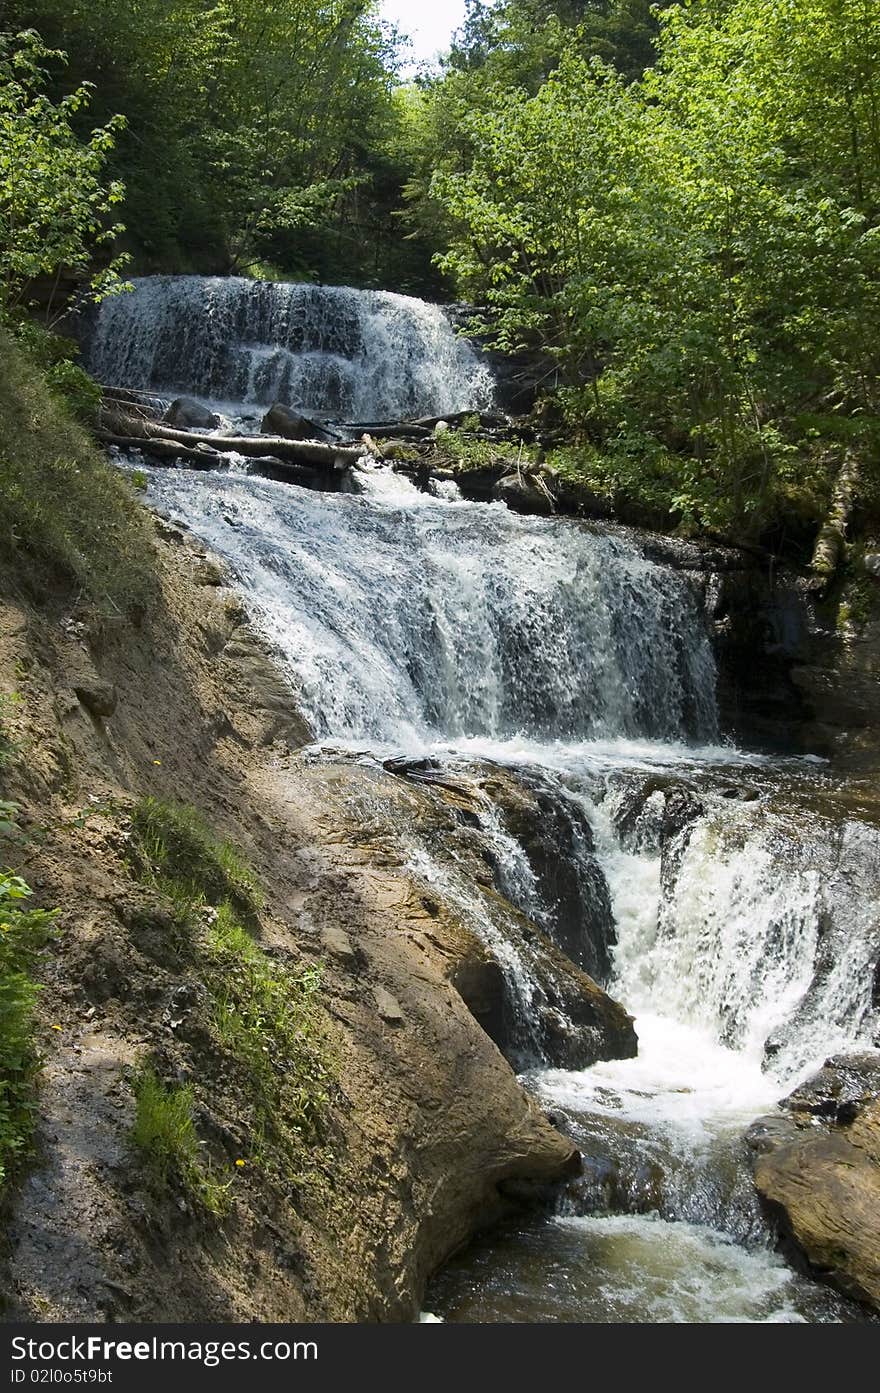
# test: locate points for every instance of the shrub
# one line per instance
(55, 356)
(24, 934)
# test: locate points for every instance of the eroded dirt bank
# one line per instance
(428, 1133)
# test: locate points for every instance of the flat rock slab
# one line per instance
(817, 1164)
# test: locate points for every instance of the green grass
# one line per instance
(68, 520)
(263, 1016)
(24, 934)
(165, 1132)
(172, 848)
(464, 451)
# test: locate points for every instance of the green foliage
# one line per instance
(165, 1132)
(253, 133)
(172, 847)
(698, 250)
(55, 205)
(265, 1017)
(54, 355)
(24, 934)
(67, 518)
(518, 43)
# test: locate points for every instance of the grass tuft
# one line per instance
(173, 849)
(265, 1017)
(164, 1130)
(262, 1015)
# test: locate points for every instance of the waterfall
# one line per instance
(355, 355)
(403, 618)
(720, 896)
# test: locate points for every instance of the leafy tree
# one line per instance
(258, 132)
(56, 204)
(698, 250)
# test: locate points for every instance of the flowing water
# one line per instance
(732, 894)
(355, 355)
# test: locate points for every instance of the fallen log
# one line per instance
(286, 472)
(404, 431)
(134, 394)
(304, 452)
(486, 419)
(266, 466)
(298, 451)
(158, 448)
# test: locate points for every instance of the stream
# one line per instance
(723, 896)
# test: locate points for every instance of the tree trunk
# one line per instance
(831, 541)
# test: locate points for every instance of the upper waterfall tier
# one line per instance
(355, 355)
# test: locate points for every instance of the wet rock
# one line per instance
(844, 1085)
(524, 493)
(96, 695)
(206, 572)
(817, 1166)
(655, 811)
(188, 414)
(284, 421)
(580, 1023)
(681, 808)
(408, 767)
(556, 837)
(479, 981)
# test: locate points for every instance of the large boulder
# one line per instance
(524, 493)
(817, 1166)
(185, 413)
(290, 425)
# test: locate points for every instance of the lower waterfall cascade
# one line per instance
(458, 631)
(728, 893)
